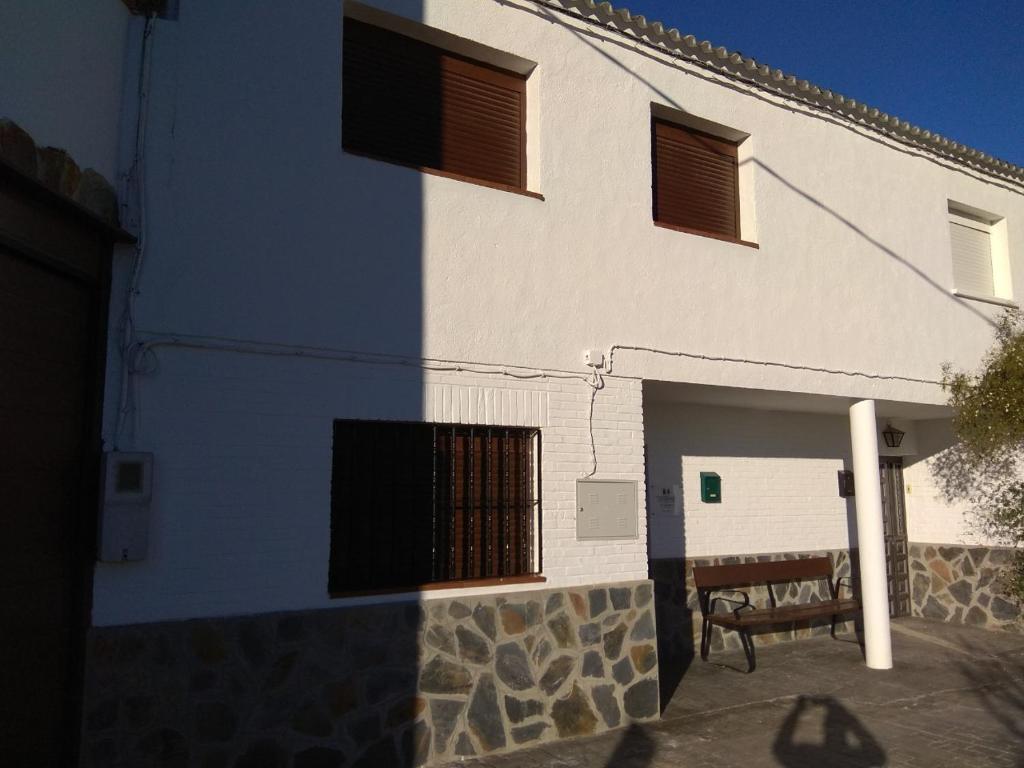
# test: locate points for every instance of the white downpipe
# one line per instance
(870, 536)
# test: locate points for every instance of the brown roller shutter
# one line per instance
(411, 103)
(694, 180)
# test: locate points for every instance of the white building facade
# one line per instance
(284, 283)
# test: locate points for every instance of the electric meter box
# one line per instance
(124, 513)
(606, 509)
(710, 488)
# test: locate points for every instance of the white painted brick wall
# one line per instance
(779, 482)
(779, 485)
(242, 444)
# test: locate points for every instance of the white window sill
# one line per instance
(986, 299)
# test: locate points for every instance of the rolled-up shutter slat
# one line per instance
(694, 180)
(415, 104)
(972, 259)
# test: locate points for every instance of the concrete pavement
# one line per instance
(954, 698)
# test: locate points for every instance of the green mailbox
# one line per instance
(710, 488)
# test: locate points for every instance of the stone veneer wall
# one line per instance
(960, 584)
(678, 613)
(394, 684)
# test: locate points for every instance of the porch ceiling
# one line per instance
(776, 400)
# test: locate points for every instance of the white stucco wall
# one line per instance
(242, 478)
(260, 228)
(245, 166)
(62, 75)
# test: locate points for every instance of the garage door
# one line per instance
(51, 291)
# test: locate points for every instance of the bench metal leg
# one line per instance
(748, 649)
(705, 639)
(833, 632)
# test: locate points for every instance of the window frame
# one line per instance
(533, 503)
(990, 225)
(465, 66)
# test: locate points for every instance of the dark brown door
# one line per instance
(895, 519)
(52, 303)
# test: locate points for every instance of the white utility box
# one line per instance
(124, 513)
(606, 509)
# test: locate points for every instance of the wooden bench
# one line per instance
(743, 619)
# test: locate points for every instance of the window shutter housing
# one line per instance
(414, 104)
(695, 180)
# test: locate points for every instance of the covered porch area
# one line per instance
(799, 475)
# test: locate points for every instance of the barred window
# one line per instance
(416, 504)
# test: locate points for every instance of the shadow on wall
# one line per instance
(957, 475)
(821, 731)
(673, 615)
(857, 621)
(675, 630)
(676, 649)
(332, 248)
(357, 696)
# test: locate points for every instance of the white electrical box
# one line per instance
(124, 514)
(606, 509)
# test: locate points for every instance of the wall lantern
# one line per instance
(846, 485)
(892, 436)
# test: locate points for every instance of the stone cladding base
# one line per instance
(960, 584)
(394, 684)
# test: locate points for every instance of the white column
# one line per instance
(870, 535)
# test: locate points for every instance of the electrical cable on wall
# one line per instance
(134, 184)
(596, 384)
(767, 363)
(141, 360)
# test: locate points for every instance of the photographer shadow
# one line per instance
(845, 741)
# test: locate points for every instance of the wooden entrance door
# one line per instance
(895, 520)
(53, 295)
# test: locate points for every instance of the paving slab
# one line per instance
(955, 697)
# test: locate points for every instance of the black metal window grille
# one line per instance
(416, 504)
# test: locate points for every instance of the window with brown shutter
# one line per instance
(414, 505)
(411, 103)
(695, 181)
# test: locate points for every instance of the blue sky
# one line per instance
(955, 68)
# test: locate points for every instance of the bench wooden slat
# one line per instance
(784, 613)
(758, 573)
